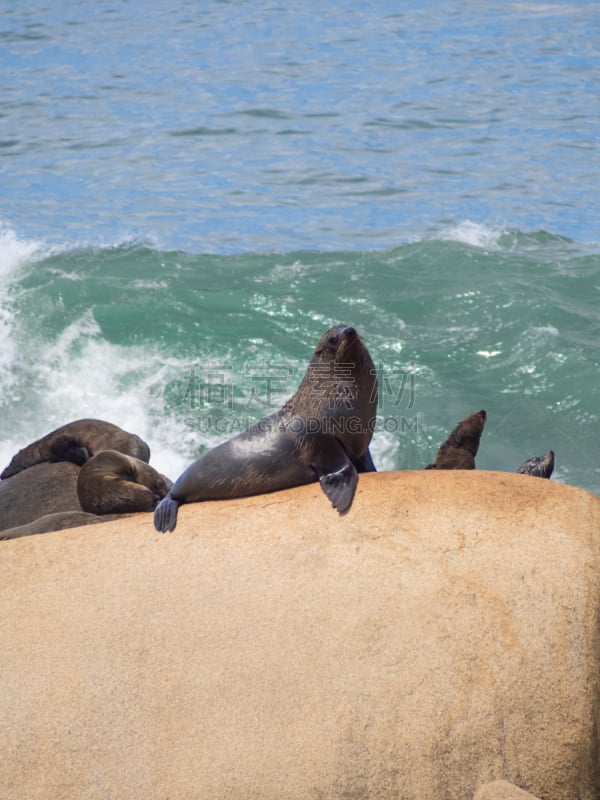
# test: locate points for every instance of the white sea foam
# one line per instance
(384, 450)
(475, 234)
(82, 375)
(46, 384)
(546, 329)
(14, 252)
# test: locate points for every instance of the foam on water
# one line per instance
(474, 234)
(82, 375)
(14, 252)
(45, 383)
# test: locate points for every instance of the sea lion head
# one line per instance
(339, 391)
(114, 483)
(467, 434)
(69, 448)
(337, 343)
(341, 375)
(539, 466)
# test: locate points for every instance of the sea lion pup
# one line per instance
(114, 483)
(76, 442)
(322, 433)
(540, 466)
(460, 448)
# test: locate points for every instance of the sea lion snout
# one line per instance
(341, 337)
(346, 331)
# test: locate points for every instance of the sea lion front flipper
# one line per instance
(365, 463)
(340, 486)
(165, 514)
(336, 473)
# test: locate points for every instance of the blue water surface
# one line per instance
(236, 126)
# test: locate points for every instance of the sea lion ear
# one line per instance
(340, 486)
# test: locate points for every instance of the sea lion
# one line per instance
(42, 489)
(460, 448)
(453, 458)
(76, 442)
(539, 466)
(114, 483)
(321, 433)
(55, 522)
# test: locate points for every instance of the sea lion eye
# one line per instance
(334, 339)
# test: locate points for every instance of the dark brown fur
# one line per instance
(41, 489)
(321, 434)
(460, 448)
(77, 442)
(114, 483)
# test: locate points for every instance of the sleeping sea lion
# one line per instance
(114, 483)
(76, 442)
(321, 433)
(460, 448)
(540, 466)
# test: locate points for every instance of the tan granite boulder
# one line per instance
(502, 790)
(441, 635)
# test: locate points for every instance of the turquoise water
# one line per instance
(190, 198)
(188, 349)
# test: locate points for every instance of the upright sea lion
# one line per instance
(76, 442)
(460, 448)
(453, 458)
(322, 433)
(114, 483)
(539, 466)
(42, 489)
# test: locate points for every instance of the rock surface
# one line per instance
(56, 522)
(441, 635)
(502, 790)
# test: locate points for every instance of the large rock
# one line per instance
(502, 790)
(441, 635)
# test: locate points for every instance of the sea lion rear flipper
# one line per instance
(165, 514)
(365, 463)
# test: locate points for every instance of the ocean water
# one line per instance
(191, 195)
